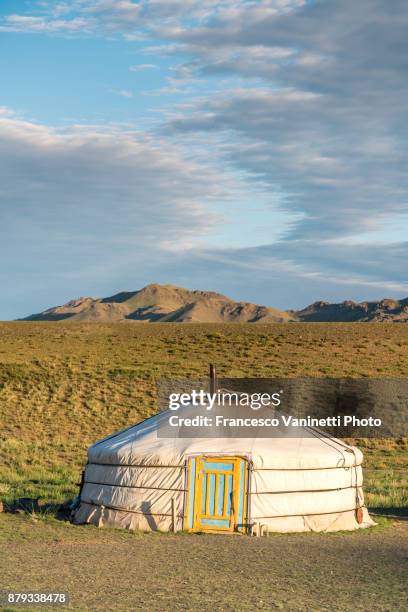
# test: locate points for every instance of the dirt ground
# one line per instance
(119, 570)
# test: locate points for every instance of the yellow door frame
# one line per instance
(238, 464)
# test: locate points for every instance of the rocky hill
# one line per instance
(348, 311)
(168, 303)
(163, 303)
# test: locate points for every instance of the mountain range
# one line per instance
(168, 303)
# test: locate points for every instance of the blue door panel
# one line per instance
(204, 496)
(221, 485)
(215, 522)
(213, 465)
(211, 493)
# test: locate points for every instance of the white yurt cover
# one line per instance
(134, 479)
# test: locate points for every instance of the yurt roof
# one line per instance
(142, 444)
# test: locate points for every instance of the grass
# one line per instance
(385, 474)
(64, 385)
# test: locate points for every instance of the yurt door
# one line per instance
(217, 494)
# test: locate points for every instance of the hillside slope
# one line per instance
(168, 303)
(163, 303)
(348, 311)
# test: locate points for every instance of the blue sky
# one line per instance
(257, 148)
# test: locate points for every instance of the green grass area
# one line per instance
(65, 385)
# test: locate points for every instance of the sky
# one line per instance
(255, 148)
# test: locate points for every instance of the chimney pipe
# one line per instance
(213, 379)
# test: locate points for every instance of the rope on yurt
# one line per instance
(89, 503)
(305, 514)
(109, 507)
(335, 440)
(359, 515)
(311, 429)
(123, 486)
(128, 510)
(317, 433)
(300, 491)
(351, 449)
(307, 469)
(335, 444)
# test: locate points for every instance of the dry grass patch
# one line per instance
(64, 385)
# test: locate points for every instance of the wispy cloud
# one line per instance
(88, 196)
(6, 111)
(108, 176)
(123, 93)
(324, 124)
(306, 100)
(142, 67)
(43, 25)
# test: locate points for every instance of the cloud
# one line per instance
(291, 276)
(24, 23)
(129, 18)
(6, 111)
(324, 124)
(93, 193)
(142, 67)
(95, 208)
(319, 114)
(306, 100)
(123, 93)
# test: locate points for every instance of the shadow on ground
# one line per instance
(31, 505)
(390, 512)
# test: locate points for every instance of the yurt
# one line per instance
(138, 479)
